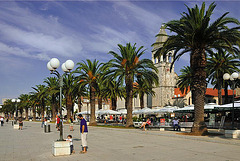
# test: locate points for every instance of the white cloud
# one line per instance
(35, 36)
(150, 19)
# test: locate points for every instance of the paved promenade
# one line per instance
(105, 144)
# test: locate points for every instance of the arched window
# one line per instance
(170, 58)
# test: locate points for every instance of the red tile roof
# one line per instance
(209, 92)
(214, 92)
(178, 93)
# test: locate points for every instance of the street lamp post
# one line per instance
(52, 65)
(17, 101)
(233, 77)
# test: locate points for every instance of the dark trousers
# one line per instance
(71, 148)
(1, 123)
(178, 127)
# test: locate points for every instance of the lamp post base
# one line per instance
(61, 148)
(15, 126)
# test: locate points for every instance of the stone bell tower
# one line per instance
(167, 79)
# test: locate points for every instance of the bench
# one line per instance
(167, 126)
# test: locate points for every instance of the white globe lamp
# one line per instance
(226, 76)
(64, 68)
(54, 62)
(234, 75)
(50, 67)
(69, 64)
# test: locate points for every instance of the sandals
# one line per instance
(83, 152)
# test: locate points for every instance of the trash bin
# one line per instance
(48, 128)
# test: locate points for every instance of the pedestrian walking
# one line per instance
(2, 121)
(84, 132)
(20, 123)
(58, 123)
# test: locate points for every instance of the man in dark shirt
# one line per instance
(84, 132)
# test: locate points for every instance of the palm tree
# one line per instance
(53, 91)
(124, 67)
(69, 90)
(195, 35)
(80, 91)
(185, 80)
(112, 90)
(218, 64)
(41, 94)
(25, 103)
(89, 73)
(99, 95)
(8, 108)
(144, 85)
(34, 103)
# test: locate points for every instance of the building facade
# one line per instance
(167, 77)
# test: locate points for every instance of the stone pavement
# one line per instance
(108, 144)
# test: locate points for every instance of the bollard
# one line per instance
(48, 128)
(12, 123)
(45, 128)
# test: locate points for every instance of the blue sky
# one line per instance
(32, 32)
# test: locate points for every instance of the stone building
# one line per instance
(167, 77)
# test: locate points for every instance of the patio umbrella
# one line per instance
(185, 109)
(228, 106)
(108, 112)
(145, 110)
(190, 108)
(167, 109)
(123, 111)
(84, 113)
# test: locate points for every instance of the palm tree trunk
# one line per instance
(79, 104)
(12, 115)
(114, 103)
(42, 110)
(129, 98)
(26, 113)
(54, 108)
(54, 113)
(99, 103)
(219, 91)
(69, 106)
(92, 104)
(198, 64)
(42, 113)
(226, 93)
(142, 100)
(34, 113)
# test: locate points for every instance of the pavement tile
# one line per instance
(105, 144)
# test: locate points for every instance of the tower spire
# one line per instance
(161, 38)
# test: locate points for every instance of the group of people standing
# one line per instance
(83, 133)
(2, 120)
(20, 122)
(175, 124)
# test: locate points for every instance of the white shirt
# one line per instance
(70, 140)
(1, 119)
(175, 122)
